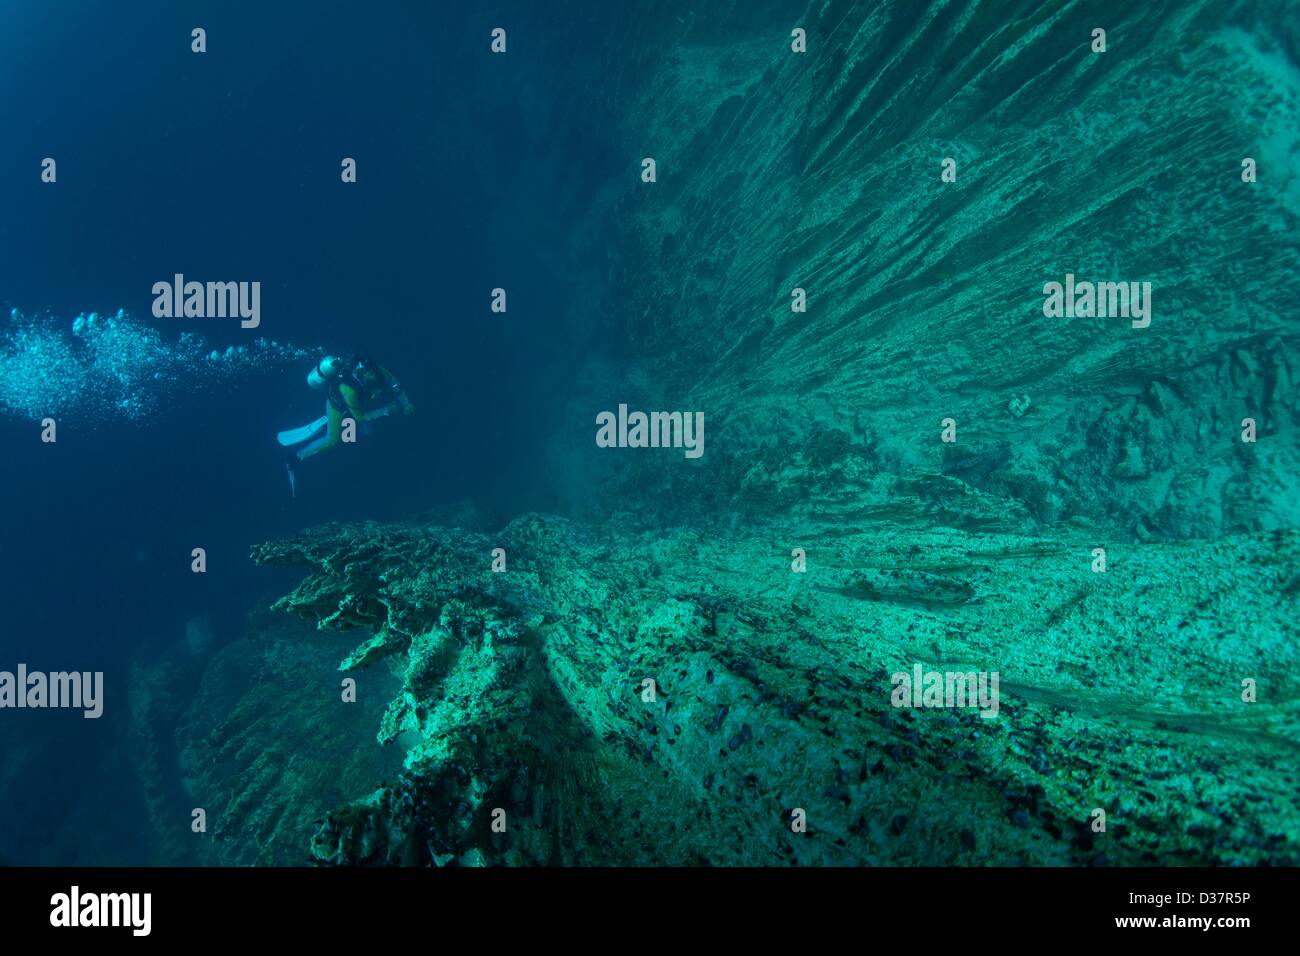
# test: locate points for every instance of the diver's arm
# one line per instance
(400, 402)
(383, 412)
(391, 394)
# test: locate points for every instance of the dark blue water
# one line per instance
(225, 167)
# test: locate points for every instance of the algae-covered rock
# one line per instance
(258, 736)
(821, 171)
(532, 735)
(912, 465)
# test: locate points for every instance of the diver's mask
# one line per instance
(366, 372)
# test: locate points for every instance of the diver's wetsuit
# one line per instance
(359, 399)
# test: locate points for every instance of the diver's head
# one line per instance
(366, 370)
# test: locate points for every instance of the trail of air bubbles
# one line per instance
(102, 368)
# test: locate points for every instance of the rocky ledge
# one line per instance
(532, 733)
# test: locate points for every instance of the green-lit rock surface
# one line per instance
(523, 692)
(254, 735)
(1121, 691)
(821, 171)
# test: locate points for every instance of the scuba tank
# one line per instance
(326, 370)
(331, 372)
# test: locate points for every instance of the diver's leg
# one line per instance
(333, 436)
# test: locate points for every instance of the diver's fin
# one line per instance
(296, 436)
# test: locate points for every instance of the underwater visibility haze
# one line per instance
(650, 433)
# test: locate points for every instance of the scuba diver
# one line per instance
(355, 387)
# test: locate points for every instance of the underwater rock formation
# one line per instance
(254, 735)
(524, 704)
(821, 171)
(158, 693)
(529, 734)
(268, 766)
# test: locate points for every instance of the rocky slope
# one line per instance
(822, 171)
(256, 735)
(524, 703)
(527, 733)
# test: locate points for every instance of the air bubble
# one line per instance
(118, 369)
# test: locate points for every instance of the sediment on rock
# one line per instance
(524, 700)
(821, 172)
